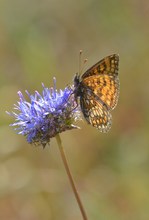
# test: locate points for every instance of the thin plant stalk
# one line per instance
(62, 152)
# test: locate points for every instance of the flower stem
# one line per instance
(62, 152)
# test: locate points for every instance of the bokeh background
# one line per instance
(42, 39)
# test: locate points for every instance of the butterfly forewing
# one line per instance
(108, 66)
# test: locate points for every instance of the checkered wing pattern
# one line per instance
(95, 112)
(104, 87)
(106, 66)
(103, 80)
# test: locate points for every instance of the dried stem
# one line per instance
(62, 152)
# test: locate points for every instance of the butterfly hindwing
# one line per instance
(95, 112)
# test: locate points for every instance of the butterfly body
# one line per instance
(98, 91)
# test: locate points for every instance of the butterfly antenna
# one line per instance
(81, 67)
(84, 63)
(80, 60)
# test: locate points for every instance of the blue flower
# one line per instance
(45, 115)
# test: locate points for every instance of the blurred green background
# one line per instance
(42, 39)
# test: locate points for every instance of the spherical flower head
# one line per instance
(45, 115)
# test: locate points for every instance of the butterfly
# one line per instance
(97, 91)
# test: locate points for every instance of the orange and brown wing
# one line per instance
(107, 66)
(94, 111)
(102, 79)
(105, 87)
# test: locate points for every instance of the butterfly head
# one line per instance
(77, 84)
(76, 80)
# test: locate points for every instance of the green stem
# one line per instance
(62, 152)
